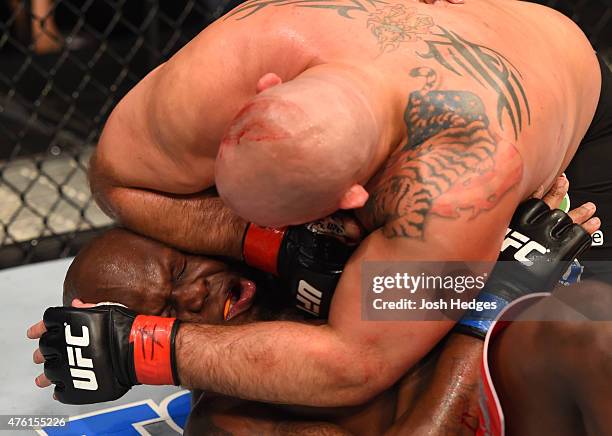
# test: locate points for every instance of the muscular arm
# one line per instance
(345, 362)
(197, 223)
(349, 360)
(154, 161)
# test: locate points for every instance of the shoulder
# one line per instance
(565, 36)
(267, 41)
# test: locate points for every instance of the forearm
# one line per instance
(198, 223)
(280, 362)
(449, 402)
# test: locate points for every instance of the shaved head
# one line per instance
(296, 150)
(152, 278)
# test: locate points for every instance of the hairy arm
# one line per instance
(345, 362)
(198, 223)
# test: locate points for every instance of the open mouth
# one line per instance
(239, 299)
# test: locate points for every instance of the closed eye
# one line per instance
(181, 270)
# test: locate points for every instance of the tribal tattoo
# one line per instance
(450, 154)
(393, 24)
(344, 8)
(487, 67)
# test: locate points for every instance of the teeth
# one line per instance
(232, 299)
(228, 306)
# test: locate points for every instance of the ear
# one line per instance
(354, 198)
(268, 81)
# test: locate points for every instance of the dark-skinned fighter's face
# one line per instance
(154, 279)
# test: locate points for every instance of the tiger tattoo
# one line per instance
(450, 149)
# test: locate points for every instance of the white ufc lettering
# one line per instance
(81, 378)
(77, 341)
(310, 297)
(88, 377)
(523, 245)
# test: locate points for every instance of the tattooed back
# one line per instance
(530, 71)
(458, 90)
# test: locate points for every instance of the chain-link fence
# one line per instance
(64, 64)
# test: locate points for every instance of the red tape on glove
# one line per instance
(151, 338)
(261, 246)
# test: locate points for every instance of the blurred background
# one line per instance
(64, 64)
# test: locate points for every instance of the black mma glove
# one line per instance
(98, 354)
(307, 259)
(539, 246)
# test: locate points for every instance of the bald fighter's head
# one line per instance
(298, 150)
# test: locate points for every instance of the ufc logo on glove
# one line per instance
(81, 378)
(524, 246)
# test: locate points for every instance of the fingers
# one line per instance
(42, 381)
(79, 304)
(556, 193)
(38, 357)
(37, 330)
(539, 193)
(351, 229)
(592, 225)
(583, 215)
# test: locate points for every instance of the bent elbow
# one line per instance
(359, 379)
(102, 187)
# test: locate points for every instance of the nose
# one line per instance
(192, 296)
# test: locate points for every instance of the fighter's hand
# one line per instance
(582, 215)
(36, 331)
(308, 258)
(341, 225)
(96, 353)
(539, 246)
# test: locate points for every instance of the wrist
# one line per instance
(477, 322)
(190, 371)
(153, 350)
(236, 240)
(261, 247)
